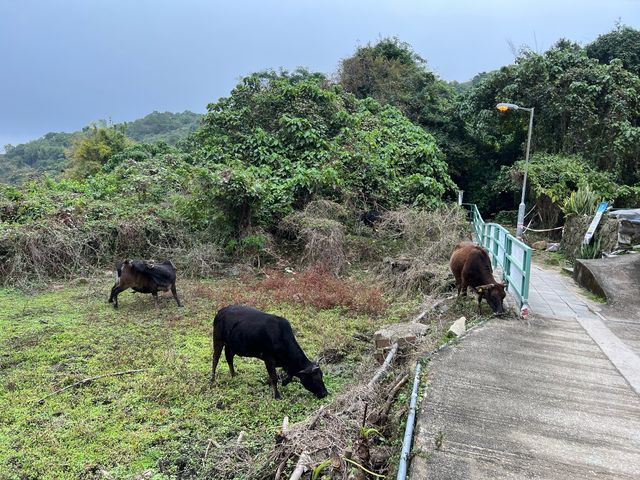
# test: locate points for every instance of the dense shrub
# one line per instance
(551, 180)
(280, 140)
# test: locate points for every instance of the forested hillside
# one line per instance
(386, 133)
(48, 154)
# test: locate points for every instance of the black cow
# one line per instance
(249, 332)
(144, 276)
(370, 218)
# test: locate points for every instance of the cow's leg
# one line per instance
(228, 353)
(286, 380)
(175, 294)
(273, 377)
(155, 298)
(479, 303)
(463, 288)
(115, 291)
(218, 345)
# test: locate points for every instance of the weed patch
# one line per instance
(166, 418)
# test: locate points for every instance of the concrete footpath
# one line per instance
(556, 396)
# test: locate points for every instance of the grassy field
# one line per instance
(161, 420)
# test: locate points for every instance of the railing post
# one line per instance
(526, 274)
(508, 248)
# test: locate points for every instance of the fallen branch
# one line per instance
(281, 467)
(384, 410)
(302, 466)
(385, 365)
(362, 468)
(316, 417)
(206, 452)
(89, 380)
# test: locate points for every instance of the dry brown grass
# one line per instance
(315, 287)
(320, 233)
(58, 249)
(428, 238)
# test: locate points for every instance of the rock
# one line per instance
(539, 245)
(458, 327)
(405, 334)
(553, 247)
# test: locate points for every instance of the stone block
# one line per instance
(459, 327)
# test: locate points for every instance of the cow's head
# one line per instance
(311, 379)
(494, 294)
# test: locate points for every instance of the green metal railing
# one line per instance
(513, 256)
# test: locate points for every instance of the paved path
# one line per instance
(552, 397)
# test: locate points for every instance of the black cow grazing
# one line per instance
(249, 332)
(370, 218)
(471, 265)
(145, 277)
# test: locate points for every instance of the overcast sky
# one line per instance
(65, 63)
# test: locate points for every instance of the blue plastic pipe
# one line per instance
(408, 431)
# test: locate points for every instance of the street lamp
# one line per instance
(503, 107)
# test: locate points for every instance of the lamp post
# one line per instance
(503, 107)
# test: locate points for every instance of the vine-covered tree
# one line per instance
(281, 139)
(391, 72)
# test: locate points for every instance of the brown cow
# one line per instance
(471, 265)
(145, 277)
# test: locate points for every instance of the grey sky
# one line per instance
(65, 63)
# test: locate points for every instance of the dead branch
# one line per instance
(89, 380)
(385, 365)
(316, 417)
(384, 410)
(281, 467)
(302, 466)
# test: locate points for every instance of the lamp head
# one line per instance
(503, 107)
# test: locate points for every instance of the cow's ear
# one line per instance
(479, 290)
(315, 367)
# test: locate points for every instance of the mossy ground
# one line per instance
(159, 420)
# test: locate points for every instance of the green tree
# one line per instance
(392, 73)
(583, 108)
(282, 139)
(93, 149)
(622, 43)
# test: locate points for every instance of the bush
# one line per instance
(281, 140)
(506, 217)
(551, 180)
(322, 239)
(427, 238)
(581, 202)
